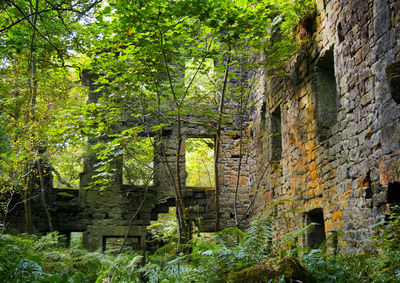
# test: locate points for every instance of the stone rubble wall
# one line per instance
(340, 160)
(346, 173)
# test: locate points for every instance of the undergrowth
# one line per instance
(228, 256)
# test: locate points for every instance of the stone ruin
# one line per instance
(326, 137)
(337, 113)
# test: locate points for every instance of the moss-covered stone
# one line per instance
(273, 269)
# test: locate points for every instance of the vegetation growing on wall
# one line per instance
(228, 256)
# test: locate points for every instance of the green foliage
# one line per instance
(382, 267)
(388, 231)
(200, 162)
(227, 256)
(29, 259)
(138, 163)
(164, 230)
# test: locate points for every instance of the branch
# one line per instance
(32, 24)
(197, 70)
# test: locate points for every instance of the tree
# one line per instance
(140, 52)
(36, 38)
(145, 48)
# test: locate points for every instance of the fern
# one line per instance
(255, 245)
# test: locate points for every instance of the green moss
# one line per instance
(273, 269)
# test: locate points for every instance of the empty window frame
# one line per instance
(393, 193)
(276, 134)
(200, 75)
(316, 235)
(67, 163)
(138, 162)
(393, 76)
(200, 162)
(325, 82)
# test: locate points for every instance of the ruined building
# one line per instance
(338, 118)
(326, 137)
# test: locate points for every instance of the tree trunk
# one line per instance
(32, 104)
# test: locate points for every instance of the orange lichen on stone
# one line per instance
(337, 215)
(314, 174)
(329, 225)
(364, 182)
(345, 203)
(242, 180)
(310, 155)
(346, 193)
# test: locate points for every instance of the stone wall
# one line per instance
(326, 137)
(340, 130)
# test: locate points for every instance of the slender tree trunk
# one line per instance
(218, 140)
(32, 103)
(185, 222)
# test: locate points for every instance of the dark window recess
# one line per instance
(393, 76)
(393, 194)
(340, 32)
(65, 239)
(166, 132)
(263, 113)
(325, 82)
(316, 235)
(276, 134)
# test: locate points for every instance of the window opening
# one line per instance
(138, 162)
(316, 235)
(202, 90)
(326, 112)
(160, 231)
(393, 194)
(263, 113)
(115, 243)
(200, 162)
(276, 134)
(66, 164)
(166, 132)
(393, 75)
(340, 33)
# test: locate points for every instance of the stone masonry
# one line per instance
(339, 126)
(325, 137)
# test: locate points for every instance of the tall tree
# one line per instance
(34, 52)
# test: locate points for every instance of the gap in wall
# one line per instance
(325, 82)
(200, 162)
(316, 235)
(393, 76)
(276, 134)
